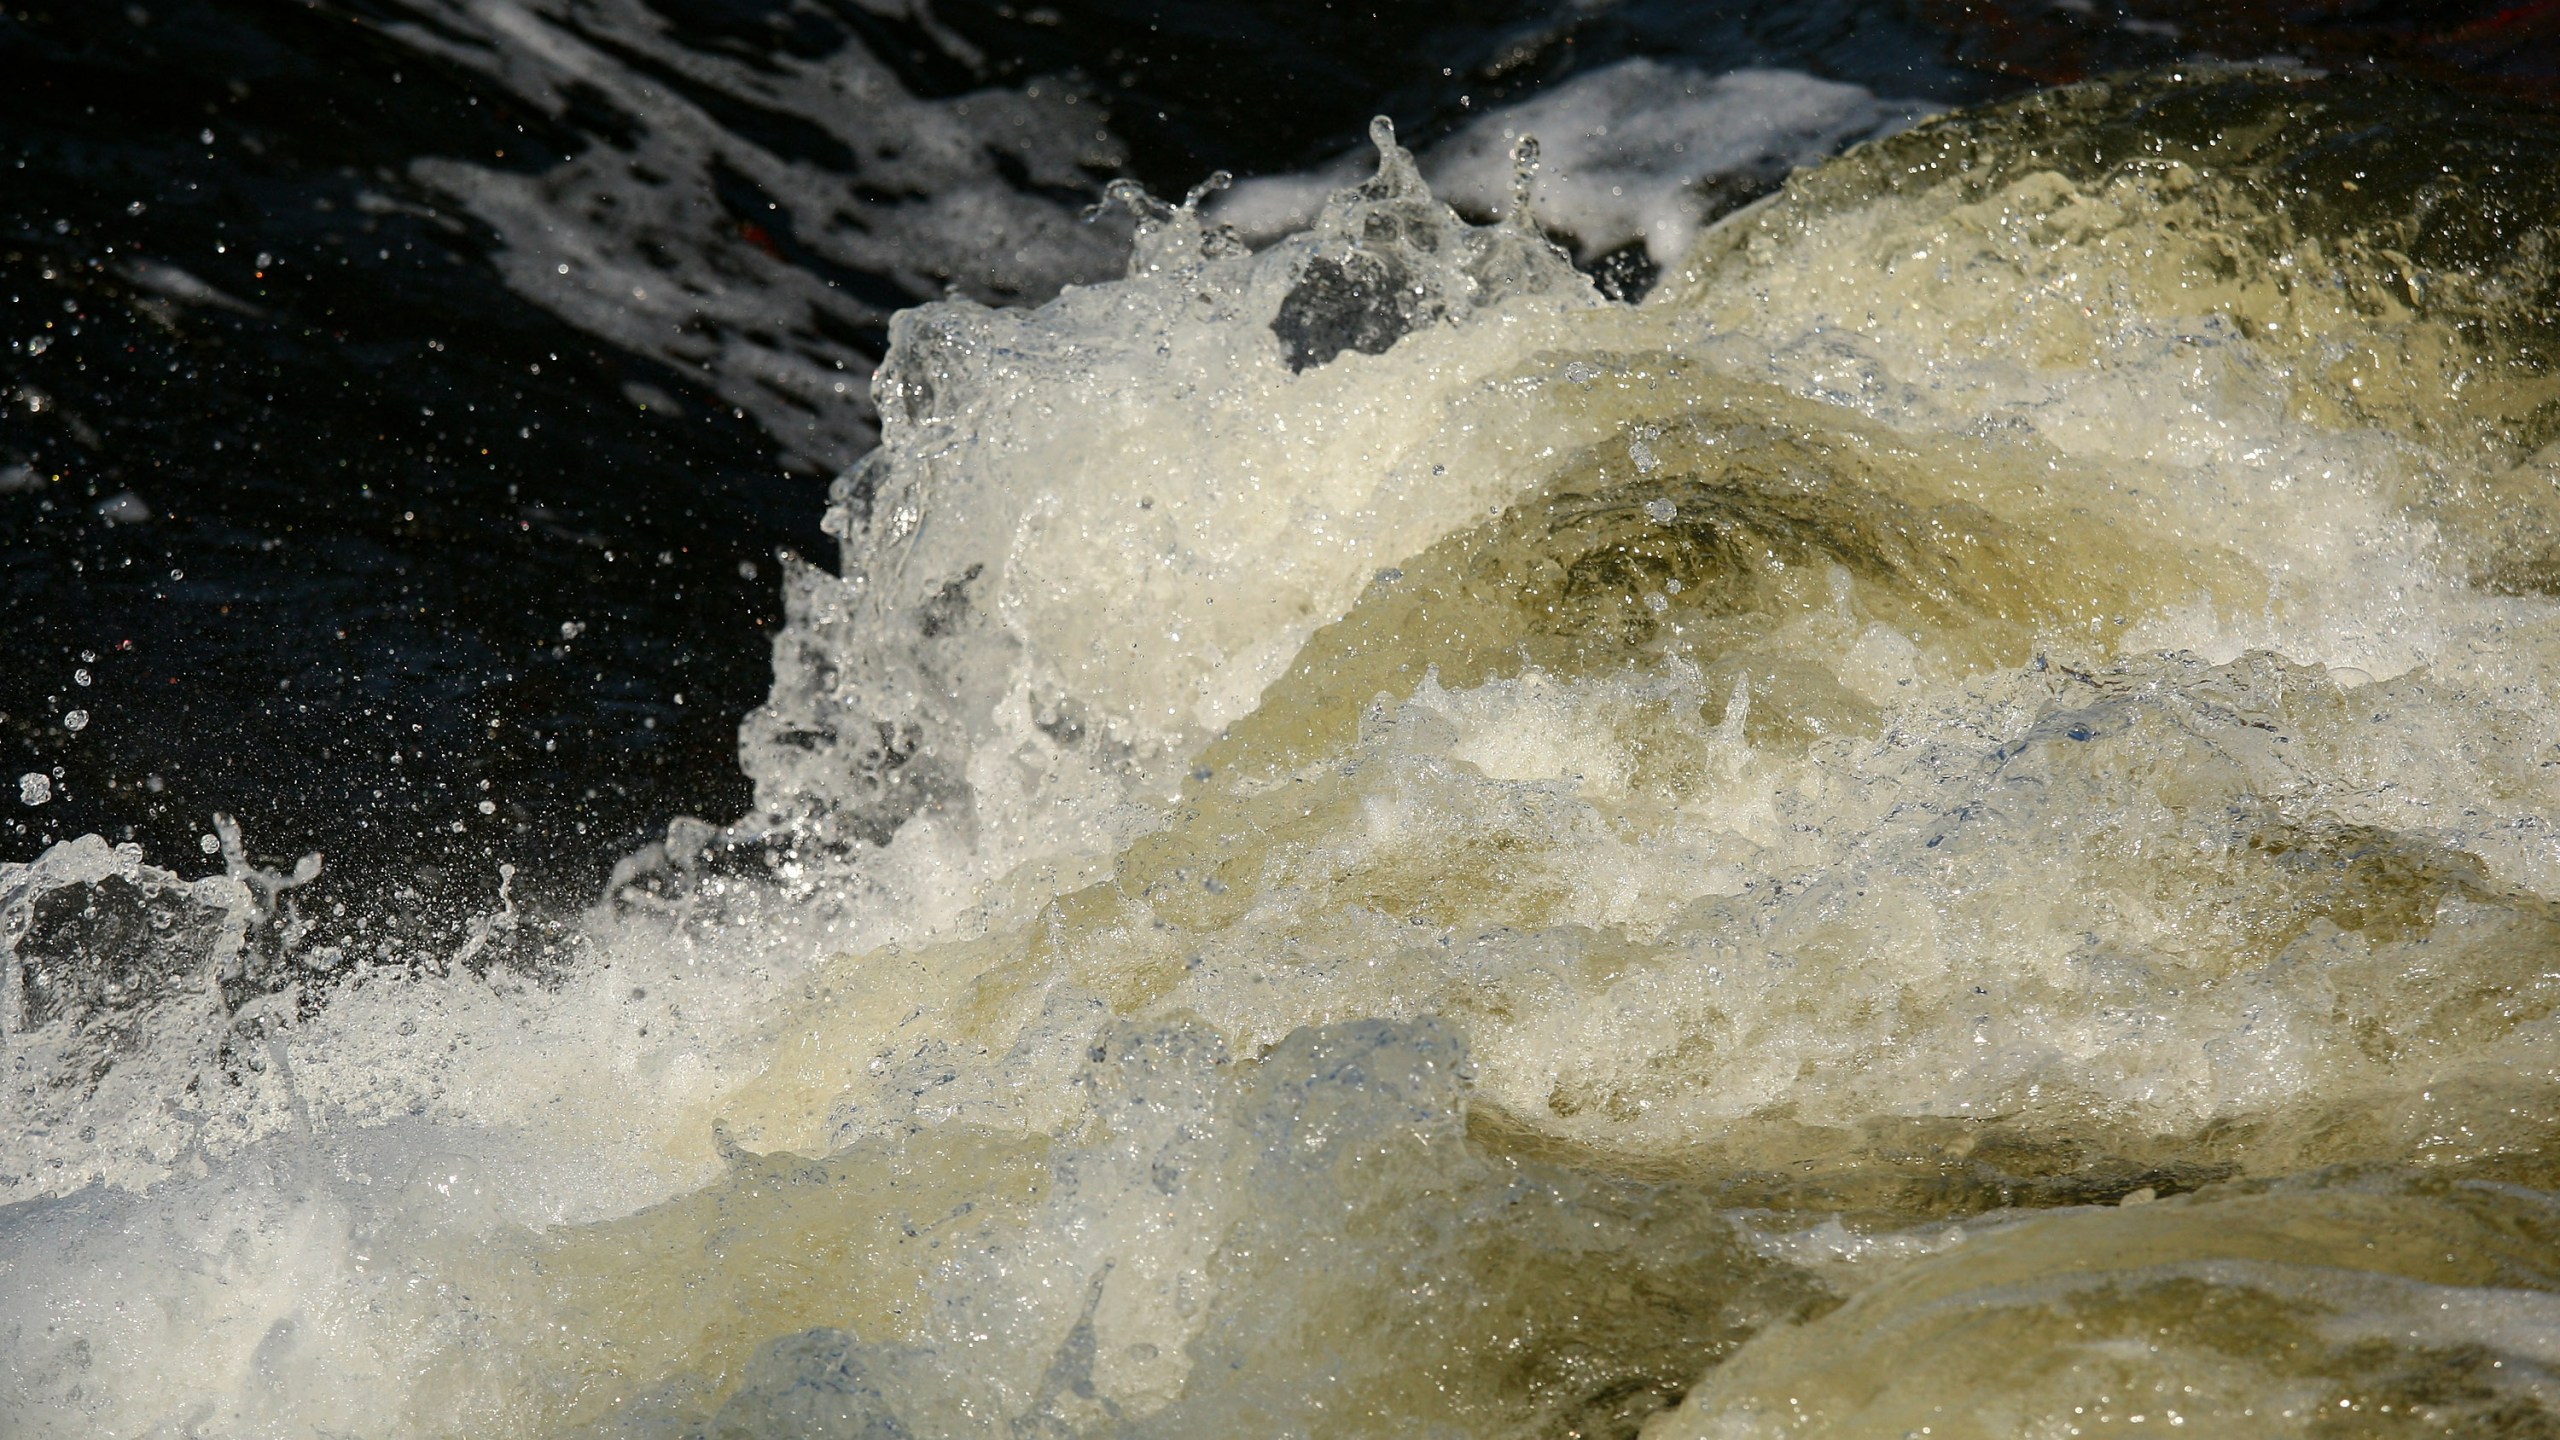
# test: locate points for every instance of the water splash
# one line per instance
(1965, 770)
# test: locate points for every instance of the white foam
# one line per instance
(1097, 530)
(1314, 762)
(1642, 150)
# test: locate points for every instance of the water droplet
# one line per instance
(124, 508)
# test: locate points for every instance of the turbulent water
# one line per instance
(1941, 829)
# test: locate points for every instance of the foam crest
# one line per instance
(1095, 531)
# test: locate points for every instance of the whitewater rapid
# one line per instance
(1941, 829)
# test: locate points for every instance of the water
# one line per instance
(1938, 828)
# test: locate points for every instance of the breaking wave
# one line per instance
(1941, 828)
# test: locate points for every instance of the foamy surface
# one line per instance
(1940, 829)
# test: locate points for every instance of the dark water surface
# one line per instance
(323, 514)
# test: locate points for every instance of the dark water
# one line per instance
(328, 516)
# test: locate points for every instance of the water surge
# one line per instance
(1942, 828)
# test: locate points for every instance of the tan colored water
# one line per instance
(1943, 830)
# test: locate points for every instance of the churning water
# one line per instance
(1943, 828)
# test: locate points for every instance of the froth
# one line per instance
(1940, 826)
